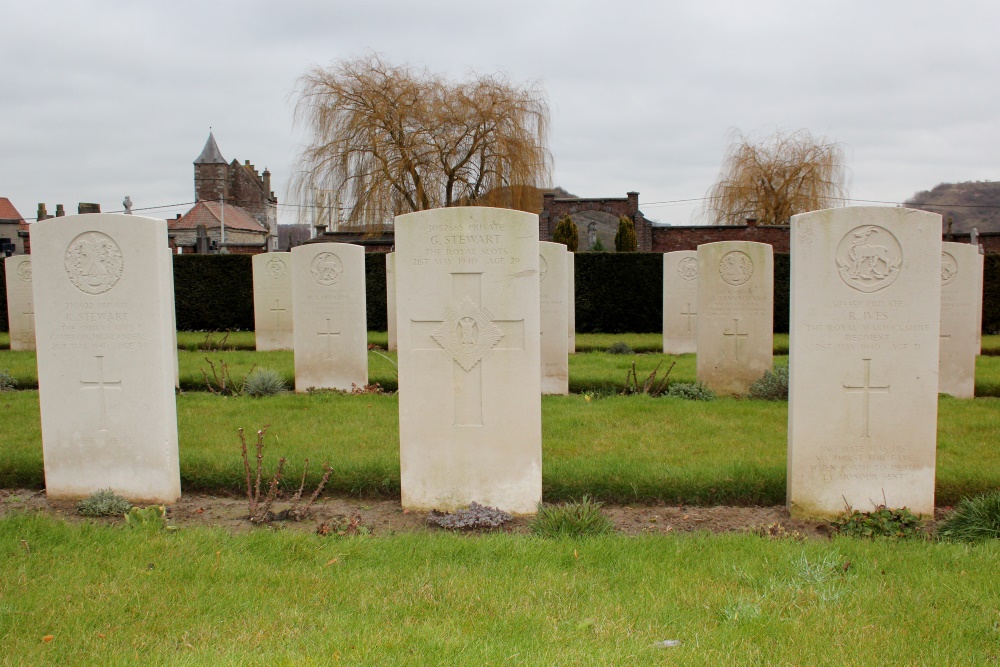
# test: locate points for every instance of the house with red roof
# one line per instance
(13, 231)
(212, 227)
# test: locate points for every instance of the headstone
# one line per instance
(390, 297)
(865, 314)
(170, 305)
(105, 364)
(680, 302)
(959, 282)
(330, 322)
(735, 308)
(554, 295)
(20, 303)
(272, 301)
(979, 301)
(468, 332)
(571, 302)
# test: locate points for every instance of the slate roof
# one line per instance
(210, 154)
(209, 213)
(8, 212)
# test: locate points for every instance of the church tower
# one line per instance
(211, 173)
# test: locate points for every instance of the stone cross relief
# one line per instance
(29, 315)
(101, 385)
(329, 333)
(277, 314)
(467, 334)
(866, 389)
(735, 335)
(689, 314)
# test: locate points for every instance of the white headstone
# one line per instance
(171, 311)
(735, 309)
(273, 311)
(979, 301)
(105, 363)
(571, 303)
(20, 304)
(554, 293)
(468, 334)
(862, 414)
(680, 302)
(959, 282)
(330, 318)
(390, 297)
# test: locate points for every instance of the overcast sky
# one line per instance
(105, 99)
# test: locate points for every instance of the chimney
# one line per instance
(85, 207)
(41, 214)
(267, 180)
(60, 211)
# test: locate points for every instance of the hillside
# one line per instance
(971, 204)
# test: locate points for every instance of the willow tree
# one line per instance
(395, 139)
(773, 179)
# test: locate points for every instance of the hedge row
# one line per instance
(615, 292)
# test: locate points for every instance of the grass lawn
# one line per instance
(619, 448)
(85, 594)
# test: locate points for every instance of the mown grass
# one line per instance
(619, 448)
(85, 594)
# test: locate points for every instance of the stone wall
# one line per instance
(669, 239)
(555, 208)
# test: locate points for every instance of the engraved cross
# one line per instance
(30, 316)
(736, 335)
(689, 314)
(329, 333)
(867, 388)
(277, 313)
(467, 333)
(101, 385)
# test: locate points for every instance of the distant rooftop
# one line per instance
(8, 212)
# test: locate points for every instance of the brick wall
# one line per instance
(669, 239)
(555, 208)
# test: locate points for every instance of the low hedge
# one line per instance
(615, 292)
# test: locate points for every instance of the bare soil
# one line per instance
(385, 517)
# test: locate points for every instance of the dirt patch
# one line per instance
(385, 517)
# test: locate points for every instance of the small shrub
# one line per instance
(567, 233)
(973, 520)
(373, 388)
(882, 522)
(344, 526)
(476, 517)
(7, 382)
(771, 386)
(103, 503)
(598, 246)
(625, 239)
(151, 518)
(620, 347)
(222, 382)
(690, 391)
(263, 382)
(776, 531)
(576, 519)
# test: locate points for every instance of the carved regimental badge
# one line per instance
(949, 268)
(869, 258)
(467, 334)
(736, 267)
(276, 268)
(24, 271)
(543, 268)
(94, 262)
(326, 268)
(687, 268)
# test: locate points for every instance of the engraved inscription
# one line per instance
(277, 310)
(101, 385)
(326, 268)
(866, 390)
(949, 268)
(687, 268)
(276, 268)
(869, 258)
(329, 333)
(543, 268)
(688, 313)
(467, 334)
(736, 267)
(24, 271)
(94, 262)
(736, 335)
